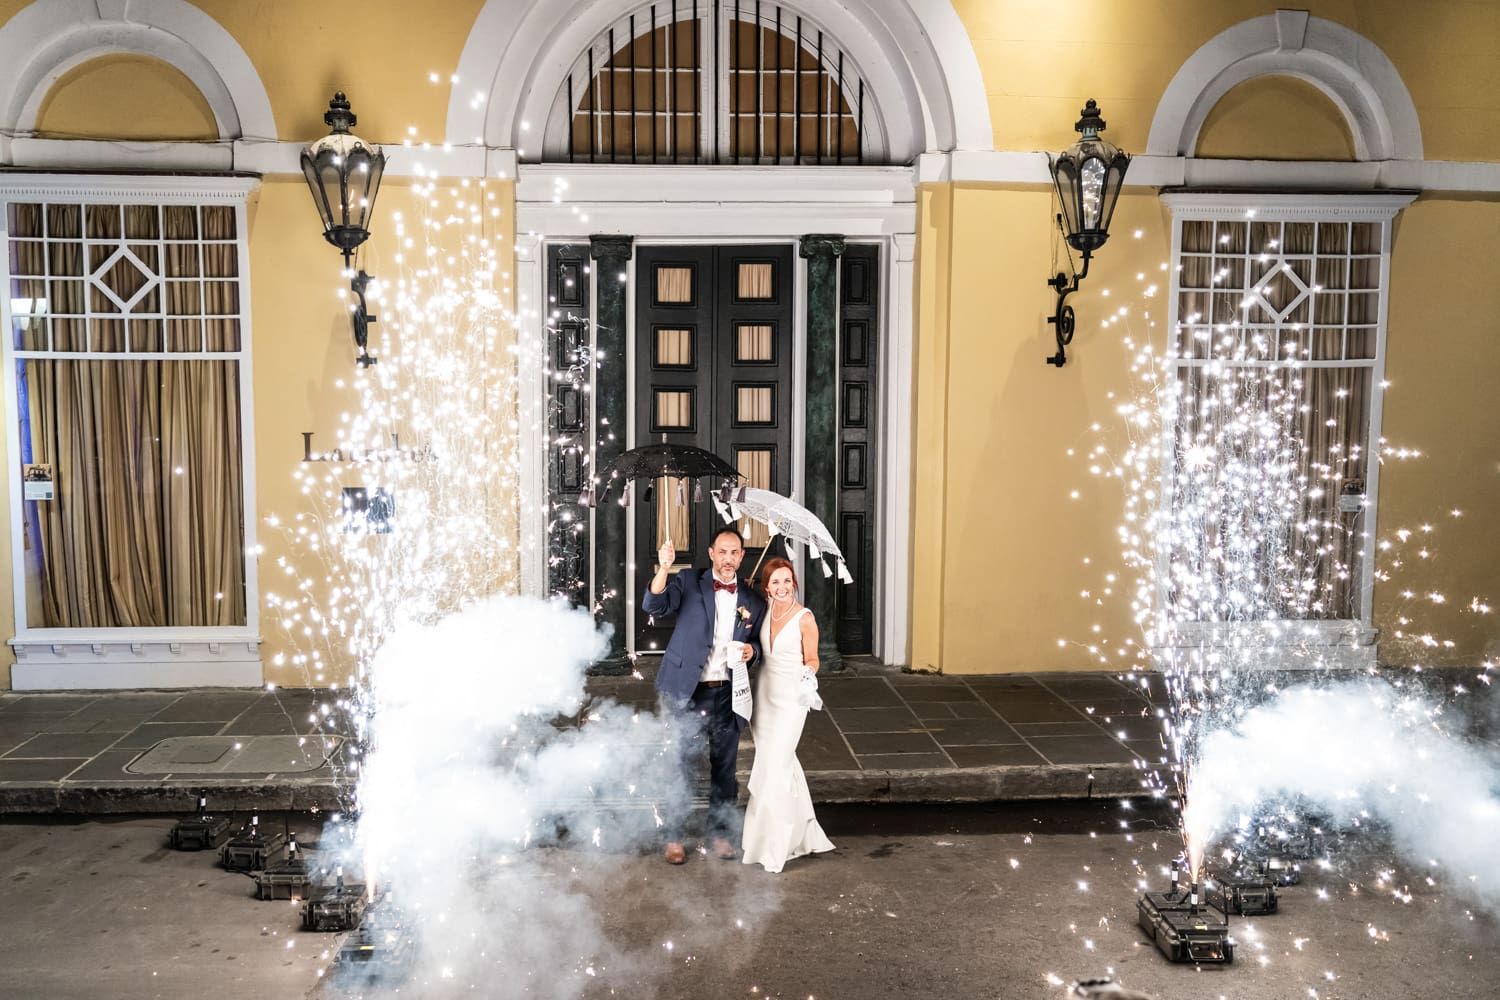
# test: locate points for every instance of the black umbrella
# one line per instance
(653, 461)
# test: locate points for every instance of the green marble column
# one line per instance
(821, 426)
(611, 394)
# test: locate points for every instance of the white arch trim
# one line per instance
(916, 56)
(1350, 69)
(50, 37)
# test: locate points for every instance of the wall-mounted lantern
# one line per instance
(1088, 175)
(344, 173)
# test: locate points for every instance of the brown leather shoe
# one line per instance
(675, 854)
(724, 850)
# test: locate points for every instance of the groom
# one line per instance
(718, 617)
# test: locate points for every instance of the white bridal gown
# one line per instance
(779, 822)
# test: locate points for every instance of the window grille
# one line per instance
(127, 335)
(727, 81)
(1278, 324)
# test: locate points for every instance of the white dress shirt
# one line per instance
(724, 611)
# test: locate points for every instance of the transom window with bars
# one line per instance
(1278, 344)
(127, 338)
(725, 81)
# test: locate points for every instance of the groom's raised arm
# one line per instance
(669, 600)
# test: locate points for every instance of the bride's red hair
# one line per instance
(771, 566)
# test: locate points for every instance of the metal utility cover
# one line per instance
(235, 754)
(204, 751)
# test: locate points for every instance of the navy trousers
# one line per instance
(708, 723)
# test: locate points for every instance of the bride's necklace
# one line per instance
(790, 606)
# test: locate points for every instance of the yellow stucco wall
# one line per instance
(305, 379)
(1011, 569)
(1443, 366)
(1276, 114)
(999, 542)
(1041, 60)
(380, 59)
(125, 97)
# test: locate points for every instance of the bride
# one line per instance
(779, 822)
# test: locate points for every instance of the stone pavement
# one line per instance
(884, 736)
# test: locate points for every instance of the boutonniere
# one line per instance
(744, 614)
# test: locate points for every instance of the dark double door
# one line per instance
(713, 369)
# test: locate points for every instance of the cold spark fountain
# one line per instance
(1246, 535)
(491, 796)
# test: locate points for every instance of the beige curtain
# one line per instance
(146, 529)
(1303, 556)
(1332, 432)
(674, 515)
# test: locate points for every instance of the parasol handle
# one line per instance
(762, 559)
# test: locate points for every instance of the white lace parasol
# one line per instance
(789, 519)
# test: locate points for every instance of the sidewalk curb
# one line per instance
(908, 787)
(999, 783)
(113, 799)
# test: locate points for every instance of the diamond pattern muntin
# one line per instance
(114, 279)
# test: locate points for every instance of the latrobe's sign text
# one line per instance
(395, 453)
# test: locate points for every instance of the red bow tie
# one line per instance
(723, 586)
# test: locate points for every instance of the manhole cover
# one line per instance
(236, 755)
(204, 751)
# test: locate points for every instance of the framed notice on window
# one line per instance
(36, 481)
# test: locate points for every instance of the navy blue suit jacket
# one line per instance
(690, 596)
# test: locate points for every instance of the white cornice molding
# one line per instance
(118, 187)
(574, 183)
(850, 185)
(973, 167)
(88, 154)
(744, 220)
(245, 156)
(579, 200)
(1373, 206)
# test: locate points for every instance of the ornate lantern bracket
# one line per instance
(1088, 176)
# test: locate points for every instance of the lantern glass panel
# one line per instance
(1113, 183)
(1065, 175)
(333, 191)
(367, 184)
(1091, 193)
(314, 182)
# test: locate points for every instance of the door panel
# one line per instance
(713, 369)
(859, 375)
(568, 422)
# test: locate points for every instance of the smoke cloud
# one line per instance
(1358, 751)
(493, 830)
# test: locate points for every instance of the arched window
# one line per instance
(724, 81)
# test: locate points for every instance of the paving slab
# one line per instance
(64, 744)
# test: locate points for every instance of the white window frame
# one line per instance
(95, 658)
(1310, 643)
